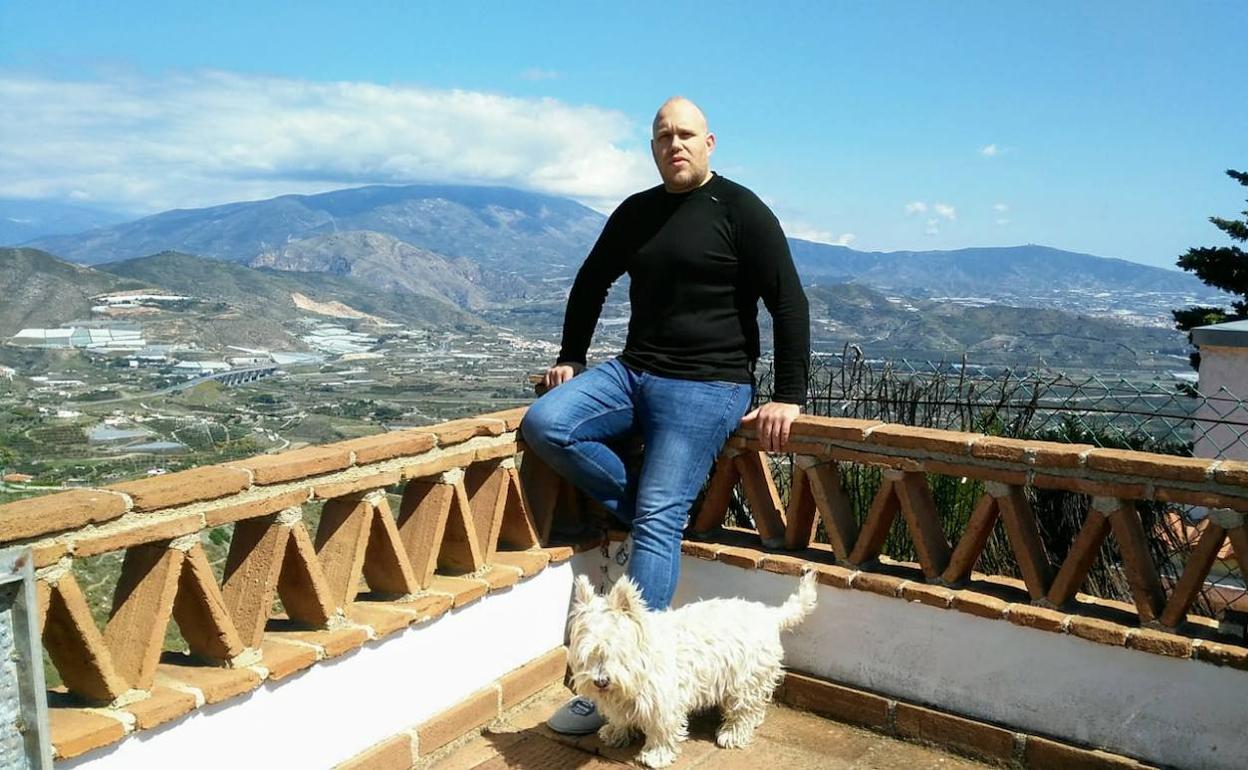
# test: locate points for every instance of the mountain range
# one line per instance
(497, 256)
(474, 245)
(984, 272)
(499, 228)
(931, 329)
(23, 220)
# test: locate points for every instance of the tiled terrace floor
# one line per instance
(789, 739)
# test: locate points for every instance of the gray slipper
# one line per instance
(578, 716)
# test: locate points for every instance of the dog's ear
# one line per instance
(626, 597)
(584, 591)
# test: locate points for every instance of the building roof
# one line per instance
(1232, 334)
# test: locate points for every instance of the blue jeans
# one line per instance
(683, 424)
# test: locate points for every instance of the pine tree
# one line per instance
(1222, 267)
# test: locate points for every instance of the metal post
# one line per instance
(24, 738)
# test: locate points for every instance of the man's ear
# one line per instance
(710, 143)
(626, 597)
(584, 590)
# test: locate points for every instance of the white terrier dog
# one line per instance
(648, 671)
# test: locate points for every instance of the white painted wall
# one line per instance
(1223, 375)
(1176, 712)
(336, 709)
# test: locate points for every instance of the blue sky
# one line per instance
(1102, 127)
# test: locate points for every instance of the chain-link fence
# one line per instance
(1167, 416)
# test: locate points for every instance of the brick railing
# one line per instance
(1115, 480)
(466, 523)
(462, 529)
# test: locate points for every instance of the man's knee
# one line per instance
(542, 426)
(535, 427)
(664, 522)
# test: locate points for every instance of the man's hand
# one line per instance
(771, 422)
(561, 373)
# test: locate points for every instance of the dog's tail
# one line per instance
(799, 605)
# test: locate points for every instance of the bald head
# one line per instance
(679, 105)
(681, 144)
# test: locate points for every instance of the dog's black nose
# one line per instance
(601, 682)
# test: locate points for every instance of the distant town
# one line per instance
(96, 400)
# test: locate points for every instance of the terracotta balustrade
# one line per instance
(470, 519)
(462, 528)
(1116, 480)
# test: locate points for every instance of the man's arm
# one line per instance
(765, 248)
(601, 268)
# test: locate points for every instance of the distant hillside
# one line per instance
(235, 304)
(259, 304)
(501, 229)
(983, 271)
(384, 263)
(239, 305)
(23, 220)
(39, 290)
(992, 333)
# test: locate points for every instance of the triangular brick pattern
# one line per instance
(199, 610)
(751, 472)
(816, 487)
(142, 608)
(517, 531)
(386, 568)
(818, 505)
(454, 524)
(76, 646)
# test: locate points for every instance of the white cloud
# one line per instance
(932, 227)
(990, 151)
(1002, 221)
(209, 137)
(808, 233)
(946, 210)
(537, 73)
(1000, 207)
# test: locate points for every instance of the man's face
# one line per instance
(682, 146)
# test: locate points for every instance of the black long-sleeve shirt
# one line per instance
(699, 262)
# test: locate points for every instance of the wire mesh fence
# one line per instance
(1118, 411)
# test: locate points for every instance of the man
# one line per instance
(700, 251)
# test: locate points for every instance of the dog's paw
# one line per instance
(657, 756)
(614, 736)
(734, 737)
